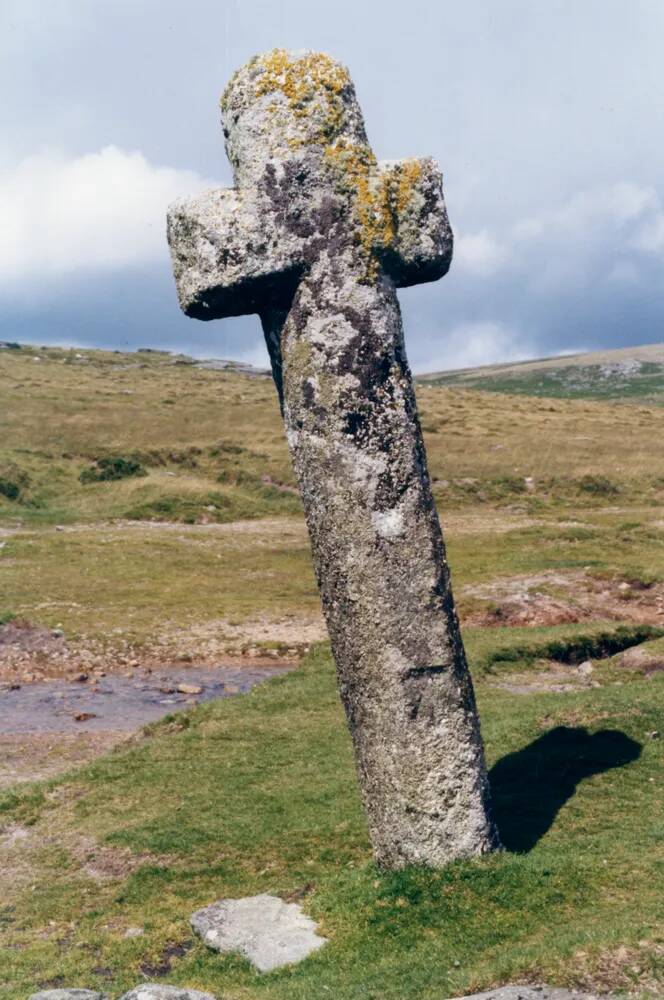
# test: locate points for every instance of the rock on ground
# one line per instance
(71, 994)
(531, 993)
(267, 931)
(160, 991)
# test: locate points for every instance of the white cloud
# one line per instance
(104, 210)
(650, 237)
(614, 205)
(470, 344)
(598, 235)
(479, 253)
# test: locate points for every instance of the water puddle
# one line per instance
(117, 703)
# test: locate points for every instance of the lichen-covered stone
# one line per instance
(267, 931)
(316, 238)
(162, 991)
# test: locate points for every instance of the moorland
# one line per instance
(149, 516)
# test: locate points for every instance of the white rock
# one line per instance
(69, 994)
(267, 931)
(161, 991)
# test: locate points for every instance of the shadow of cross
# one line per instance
(315, 237)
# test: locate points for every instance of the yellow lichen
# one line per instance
(313, 86)
(311, 77)
(379, 198)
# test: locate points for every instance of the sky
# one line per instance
(547, 119)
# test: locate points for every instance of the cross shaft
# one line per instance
(315, 238)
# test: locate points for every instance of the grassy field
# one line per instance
(148, 510)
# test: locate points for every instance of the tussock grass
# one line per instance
(64, 412)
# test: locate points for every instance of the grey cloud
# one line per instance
(524, 105)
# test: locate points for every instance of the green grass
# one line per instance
(258, 795)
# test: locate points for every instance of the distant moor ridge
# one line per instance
(628, 373)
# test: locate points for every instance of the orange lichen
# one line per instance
(315, 87)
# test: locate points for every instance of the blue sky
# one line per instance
(547, 120)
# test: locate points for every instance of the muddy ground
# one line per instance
(64, 701)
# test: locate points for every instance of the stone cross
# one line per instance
(316, 237)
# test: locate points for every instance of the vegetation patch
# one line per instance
(575, 648)
(598, 486)
(13, 482)
(113, 467)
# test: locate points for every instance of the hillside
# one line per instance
(629, 373)
(91, 435)
(151, 531)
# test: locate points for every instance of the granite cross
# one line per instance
(315, 237)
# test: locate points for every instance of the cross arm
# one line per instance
(229, 256)
(420, 245)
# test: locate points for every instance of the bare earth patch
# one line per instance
(30, 653)
(36, 756)
(555, 598)
(631, 970)
(26, 851)
(549, 678)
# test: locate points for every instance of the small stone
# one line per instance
(531, 993)
(84, 716)
(161, 991)
(69, 994)
(189, 689)
(654, 735)
(133, 932)
(585, 669)
(267, 931)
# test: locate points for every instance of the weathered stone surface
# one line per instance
(69, 994)
(531, 993)
(160, 991)
(267, 931)
(316, 238)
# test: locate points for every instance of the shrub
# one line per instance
(112, 467)
(13, 482)
(9, 489)
(599, 486)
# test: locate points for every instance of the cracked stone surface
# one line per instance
(531, 993)
(160, 991)
(316, 237)
(267, 931)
